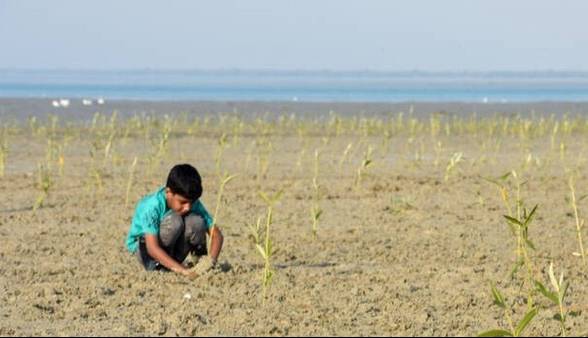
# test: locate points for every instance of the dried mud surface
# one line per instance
(407, 253)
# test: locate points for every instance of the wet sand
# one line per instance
(19, 109)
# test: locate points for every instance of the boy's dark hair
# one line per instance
(184, 180)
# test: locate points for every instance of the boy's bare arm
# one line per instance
(216, 243)
(158, 254)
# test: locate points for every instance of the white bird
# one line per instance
(64, 102)
(100, 101)
(55, 104)
(87, 102)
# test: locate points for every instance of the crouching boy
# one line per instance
(172, 223)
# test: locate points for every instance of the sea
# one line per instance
(303, 86)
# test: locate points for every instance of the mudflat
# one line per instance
(411, 236)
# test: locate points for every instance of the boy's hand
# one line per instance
(204, 265)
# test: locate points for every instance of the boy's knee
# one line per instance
(170, 228)
(195, 229)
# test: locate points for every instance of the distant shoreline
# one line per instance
(21, 108)
(319, 72)
(289, 88)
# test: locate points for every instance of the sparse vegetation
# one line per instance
(390, 201)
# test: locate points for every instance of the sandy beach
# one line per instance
(407, 244)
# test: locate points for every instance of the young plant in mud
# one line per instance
(386, 143)
(301, 155)
(222, 144)
(161, 146)
(224, 180)
(345, 155)
(524, 246)
(316, 210)
(61, 158)
(562, 151)
(502, 184)
(96, 171)
(44, 184)
(579, 223)
(511, 331)
(557, 297)
(455, 159)
(315, 213)
(365, 164)
(438, 152)
(3, 152)
(419, 151)
(519, 200)
(130, 180)
(51, 152)
(255, 232)
(317, 163)
(267, 250)
(248, 156)
(108, 146)
(33, 125)
(263, 158)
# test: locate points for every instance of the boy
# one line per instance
(171, 223)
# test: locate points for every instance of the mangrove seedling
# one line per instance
(222, 143)
(44, 184)
(131, 179)
(267, 250)
(219, 199)
(254, 232)
(3, 154)
(455, 159)
(523, 246)
(315, 213)
(512, 331)
(365, 164)
(557, 297)
(345, 155)
(579, 223)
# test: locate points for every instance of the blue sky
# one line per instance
(310, 35)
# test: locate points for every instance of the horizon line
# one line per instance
(544, 71)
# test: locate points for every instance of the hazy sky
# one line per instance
(297, 34)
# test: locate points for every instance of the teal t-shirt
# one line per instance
(149, 214)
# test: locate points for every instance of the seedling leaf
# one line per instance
(526, 320)
(564, 291)
(530, 244)
(530, 217)
(498, 298)
(505, 176)
(261, 251)
(264, 197)
(495, 333)
(543, 290)
(513, 220)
